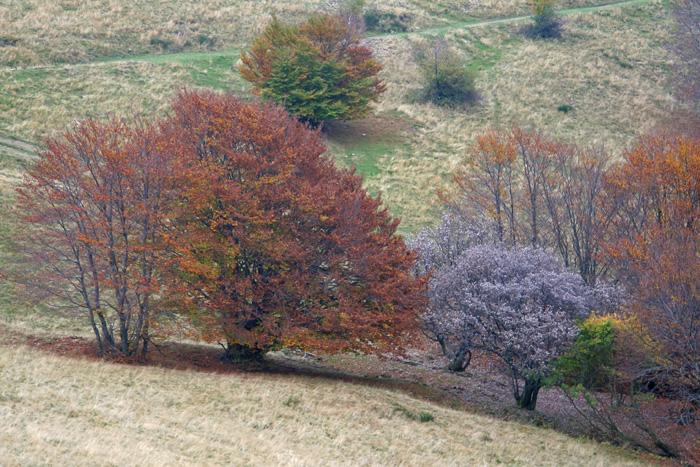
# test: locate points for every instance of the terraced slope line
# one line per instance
(18, 148)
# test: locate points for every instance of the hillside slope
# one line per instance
(62, 411)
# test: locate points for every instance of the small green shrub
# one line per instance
(446, 79)
(6, 41)
(378, 21)
(590, 362)
(162, 43)
(291, 401)
(205, 40)
(422, 417)
(566, 108)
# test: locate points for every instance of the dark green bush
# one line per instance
(546, 23)
(447, 81)
(378, 21)
(566, 108)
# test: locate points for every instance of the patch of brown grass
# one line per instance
(65, 411)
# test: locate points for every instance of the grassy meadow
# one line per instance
(59, 411)
(100, 58)
(62, 61)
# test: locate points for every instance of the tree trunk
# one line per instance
(460, 361)
(528, 398)
(100, 347)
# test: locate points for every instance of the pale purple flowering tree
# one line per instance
(518, 304)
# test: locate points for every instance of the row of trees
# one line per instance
(224, 218)
(539, 192)
(497, 288)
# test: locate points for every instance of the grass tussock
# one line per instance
(63, 412)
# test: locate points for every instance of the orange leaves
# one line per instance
(227, 212)
(291, 249)
(655, 253)
(317, 70)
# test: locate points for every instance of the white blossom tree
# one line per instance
(517, 303)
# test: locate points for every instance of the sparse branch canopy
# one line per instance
(539, 192)
(318, 70)
(92, 213)
(447, 81)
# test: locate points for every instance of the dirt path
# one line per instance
(514, 19)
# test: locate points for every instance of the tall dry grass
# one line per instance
(610, 67)
(76, 412)
(34, 32)
(70, 31)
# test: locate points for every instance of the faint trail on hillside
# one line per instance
(18, 148)
(182, 57)
(515, 19)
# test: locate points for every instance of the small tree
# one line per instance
(93, 217)
(518, 304)
(318, 70)
(446, 80)
(546, 23)
(276, 246)
(600, 376)
(439, 249)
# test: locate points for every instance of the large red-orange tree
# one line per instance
(275, 245)
(92, 224)
(655, 252)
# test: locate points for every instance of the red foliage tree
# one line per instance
(276, 246)
(91, 214)
(655, 252)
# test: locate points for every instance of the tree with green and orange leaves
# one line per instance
(319, 70)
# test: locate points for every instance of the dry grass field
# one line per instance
(61, 411)
(34, 32)
(101, 58)
(62, 61)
